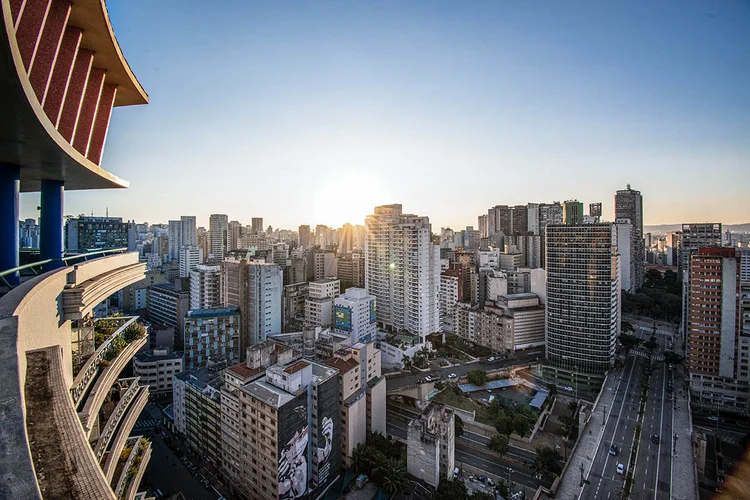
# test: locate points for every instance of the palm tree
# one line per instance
(391, 474)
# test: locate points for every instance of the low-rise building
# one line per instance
(430, 445)
(354, 315)
(157, 368)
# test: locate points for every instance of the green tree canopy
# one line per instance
(477, 377)
(499, 443)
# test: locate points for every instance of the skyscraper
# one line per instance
(188, 231)
(254, 287)
(629, 205)
(189, 259)
(174, 232)
(257, 225)
(583, 299)
(402, 270)
(717, 345)
(695, 236)
(234, 234)
(205, 287)
(572, 212)
(304, 236)
(346, 239)
(217, 226)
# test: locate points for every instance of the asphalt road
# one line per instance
(470, 449)
(653, 465)
(604, 480)
(396, 381)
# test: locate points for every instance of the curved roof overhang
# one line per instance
(28, 138)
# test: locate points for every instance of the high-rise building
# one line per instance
(346, 239)
(361, 395)
(319, 303)
(572, 212)
(28, 234)
(533, 220)
(350, 269)
(499, 220)
(695, 236)
(583, 298)
(305, 237)
(626, 249)
(354, 315)
(402, 270)
(430, 445)
(217, 226)
(196, 406)
(89, 233)
(484, 231)
(212, 334)
(188, 231)
(205, 290)
(595, 209)
(629, 205)
(323, 264)
(203, 241)
(519, 219)
(189, 258)
(550, 213)
(257, 225)
(291, 423)
(254, 287)
(157, 368)
(167, 304)
(718, 343)
(293, 307)
(174, 234)
(234, 235)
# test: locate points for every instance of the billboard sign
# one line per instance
(343, 319)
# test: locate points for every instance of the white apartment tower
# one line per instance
(189, 236)
(190, 258)
(402, 270)
(583, 297)
(204, 287)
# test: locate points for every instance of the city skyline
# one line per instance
(346, 106)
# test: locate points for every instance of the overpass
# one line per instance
(419, 392)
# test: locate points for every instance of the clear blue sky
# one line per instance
(315, 111)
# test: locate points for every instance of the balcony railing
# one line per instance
(133, 464)
(35, 268)
(91, 368)
(114, 419)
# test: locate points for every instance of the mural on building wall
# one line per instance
(373, 315)
(293, 441)
(343, 318)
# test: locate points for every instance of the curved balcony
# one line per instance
(84, 292)
(90, 369)
(107, 378)
(114, 419)
(132, 487)
(110, 458)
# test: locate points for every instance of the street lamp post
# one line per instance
(576, 376)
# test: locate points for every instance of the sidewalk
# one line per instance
(569, 487)
(683, 462)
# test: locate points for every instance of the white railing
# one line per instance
(117, 414)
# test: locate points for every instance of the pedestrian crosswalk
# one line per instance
(149, 423)
(655, 357)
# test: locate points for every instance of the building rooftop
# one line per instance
(243, 371)
(210, 313)
(155, 355)
(300, 365)
(268, 393)
(342, 365)
(524, 295)
(202, 377)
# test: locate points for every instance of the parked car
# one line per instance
(613, 450)
(428, 379)
(491, 358)
(620, 469)
(452, 376)
(713, 418)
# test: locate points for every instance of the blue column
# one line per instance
(51, 224)
(10, 186)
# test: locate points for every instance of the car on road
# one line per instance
(613, 450)
(713, 418)
(655, 439)
(452, 376)
(567, 388)
(491, 358)
(428, 379)
(620, 469)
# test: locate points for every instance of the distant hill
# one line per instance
(665, 228)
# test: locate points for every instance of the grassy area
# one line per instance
(448, 397)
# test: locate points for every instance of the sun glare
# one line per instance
(346, 196)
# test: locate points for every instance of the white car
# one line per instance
(452, 375)
(491, 359)
(428, 379)
(621, 469)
